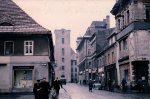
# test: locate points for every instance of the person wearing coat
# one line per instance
(36, 90)
(124, 82)
(90, 85)
(57, 85)
(45, 89)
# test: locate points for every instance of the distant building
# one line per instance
(26, 50)
(107, 58)
(87, 48)
(64, 54)
(74, 67)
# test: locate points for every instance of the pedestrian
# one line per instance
(109, 84)
(90, 85)
(123, 83)
(140, 85)
(36, 90)
(57, 85)
(45, 89)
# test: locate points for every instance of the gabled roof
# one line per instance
(11, 13)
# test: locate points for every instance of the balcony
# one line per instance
(133, 26)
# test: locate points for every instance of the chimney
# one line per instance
(108, 21)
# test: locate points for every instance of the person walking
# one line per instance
(57, 85)
(36, 90)
(45, 89)
(109, 84)
(140, 85)
(124, 82)
(90, 85)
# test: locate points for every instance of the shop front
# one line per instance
(110, 73)
(23, 76)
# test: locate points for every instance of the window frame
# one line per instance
(5, 48)
(28, 46)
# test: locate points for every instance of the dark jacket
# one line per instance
(45, 87)
(57, 84)
(36, 88)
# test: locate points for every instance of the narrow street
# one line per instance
(81, 92)
(75, 91)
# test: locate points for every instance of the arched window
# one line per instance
(63, 76)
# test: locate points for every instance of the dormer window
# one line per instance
(5, 24)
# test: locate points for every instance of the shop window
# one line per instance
(9, 48)
(22, 78)
(28, 47)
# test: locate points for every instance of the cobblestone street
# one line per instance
(75, 91)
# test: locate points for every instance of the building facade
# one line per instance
(87, 48)
(22, 60)
(74, 67)
(107, 60)
(133, 26)
(64, 54)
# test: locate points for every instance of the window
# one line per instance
(75, 69)
(63, 67)
(119, 24)
(89, 51)
(63, 32)
(120, 46)
(62, 40)
(28, 47)
(128, 17)
(108, 58)
(63, 60)
(5, 24)
(75, 75)
(126, 74)
(123, 21)
(109, 41)
(125, 44)
(148, 12)
(63, 51)
(9, 48)
(63, 76)
(75, 62)
(71, 69)
(112, 57)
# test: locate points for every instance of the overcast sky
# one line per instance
(75, 15)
